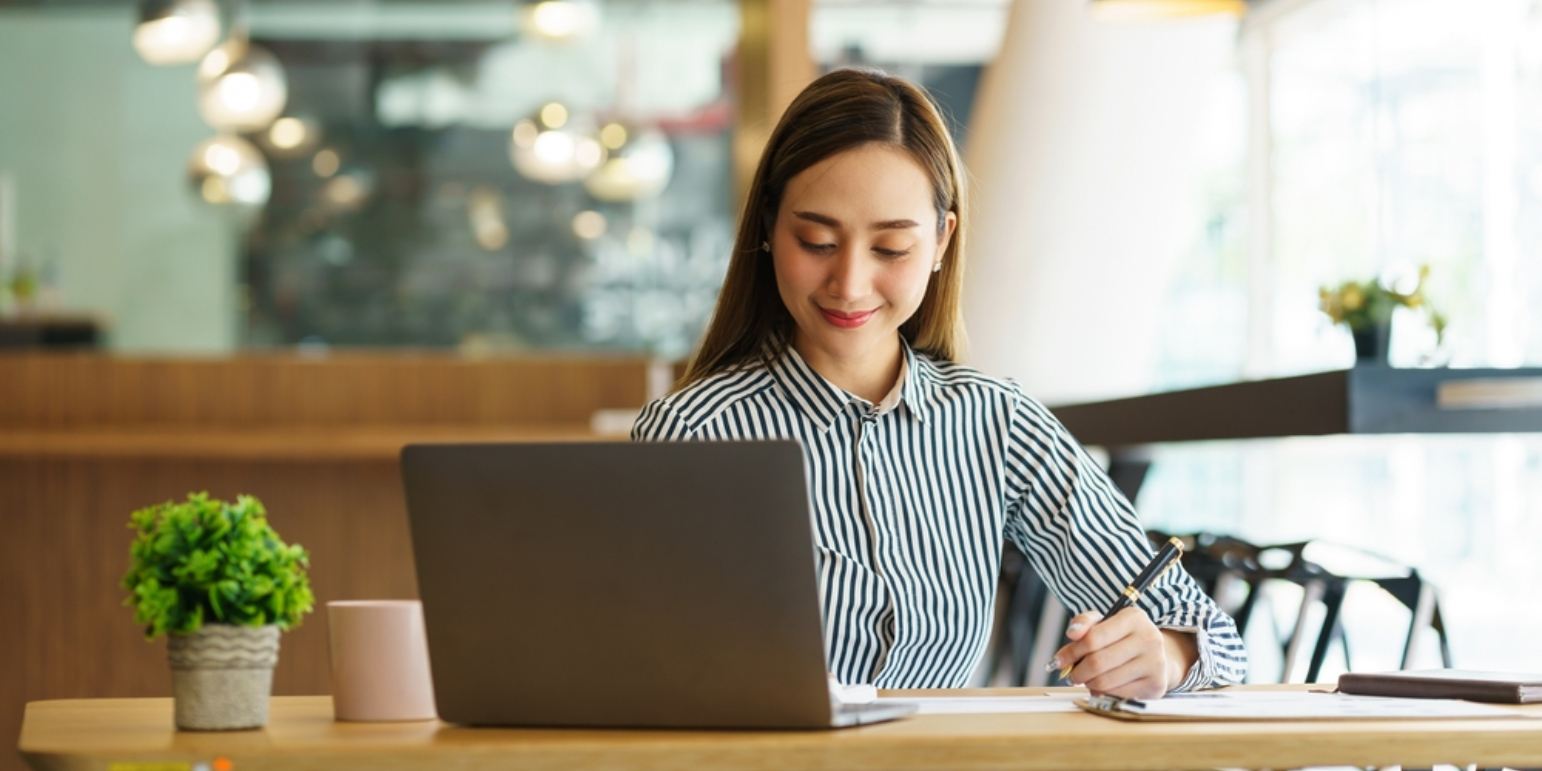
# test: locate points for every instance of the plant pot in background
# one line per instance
(222, 676)
(1371, 344)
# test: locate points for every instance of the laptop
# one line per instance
(653, 585)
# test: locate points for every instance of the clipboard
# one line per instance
(1233, 706)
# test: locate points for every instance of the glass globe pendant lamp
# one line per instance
(176, 31)
(227, 170)
(291, 137)
(241, 87)
(560, 21)
(639, 165)
(1137, 11)
(548, 147)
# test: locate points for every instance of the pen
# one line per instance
(1158, 565)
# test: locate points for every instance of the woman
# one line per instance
(837, 326)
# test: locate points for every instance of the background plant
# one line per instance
(1365, 304)
(210, 561)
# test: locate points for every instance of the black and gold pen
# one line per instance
(1164, 560)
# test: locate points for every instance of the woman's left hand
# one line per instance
(1126, 655)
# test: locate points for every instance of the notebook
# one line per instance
(1499, 687)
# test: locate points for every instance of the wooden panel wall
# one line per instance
(86, 439)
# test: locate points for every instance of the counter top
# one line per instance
(308, 443)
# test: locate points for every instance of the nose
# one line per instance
(850, 277)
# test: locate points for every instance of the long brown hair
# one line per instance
(840, 111)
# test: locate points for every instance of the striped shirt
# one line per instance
(911, 506)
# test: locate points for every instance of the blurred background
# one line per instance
(450, 174)
(238, 239)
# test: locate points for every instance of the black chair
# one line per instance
(1031, 622)
(1330, 586)
(1030, 625)
(1215, 559)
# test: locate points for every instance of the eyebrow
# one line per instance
(835, 223)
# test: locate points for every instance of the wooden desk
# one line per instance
(131, 734)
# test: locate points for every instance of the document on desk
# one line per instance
(980, 705)
(1288, 705)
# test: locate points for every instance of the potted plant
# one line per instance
(216, 578)
(1366, 308)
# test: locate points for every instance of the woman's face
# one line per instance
(854, 244)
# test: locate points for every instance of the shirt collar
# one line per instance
(914, 392)
(822, 402)
(897, 392)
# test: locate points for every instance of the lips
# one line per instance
(846, 320)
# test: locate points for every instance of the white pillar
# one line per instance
(1079, 149)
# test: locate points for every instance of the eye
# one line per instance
(891, 254)
(816, 248)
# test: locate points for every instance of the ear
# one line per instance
(768, 220)
(949, 224)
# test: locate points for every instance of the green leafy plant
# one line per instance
(1364, 304)
(208, 561)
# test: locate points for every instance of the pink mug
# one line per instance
(379, 661)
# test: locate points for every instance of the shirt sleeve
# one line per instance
(658, 422)
(1083, 537)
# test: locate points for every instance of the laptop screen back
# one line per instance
(618, 584)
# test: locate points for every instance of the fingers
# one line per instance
(1099, 650)
(1089, 632)
(1138, 678)
(1099, 661)
(1064, 659)
(1129, 668)
(1081, 623)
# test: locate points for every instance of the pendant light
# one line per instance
(639, 164)
(548, 147)
(560, 21)
(1135, 11)
(241, 87)
(227, 170)
(176, 31)
(291, 137)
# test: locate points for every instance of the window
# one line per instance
(1400, 133)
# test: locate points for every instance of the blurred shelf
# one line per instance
(287, 444)
(1364, 400)
(50, 331)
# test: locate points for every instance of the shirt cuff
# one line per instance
(1222, 659)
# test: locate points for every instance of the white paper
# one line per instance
(1306, 705)
(962, 705)
(852, 694)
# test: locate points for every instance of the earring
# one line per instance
(765, 246)
(937, 267)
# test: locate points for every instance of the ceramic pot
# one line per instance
(222, 676)
(1371, 344)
